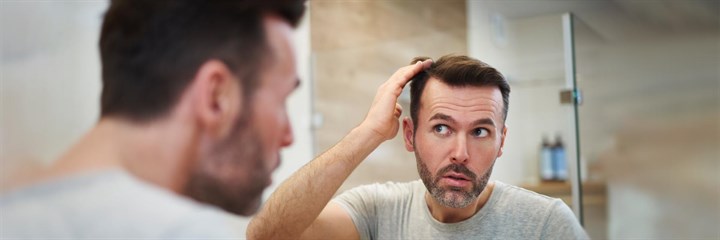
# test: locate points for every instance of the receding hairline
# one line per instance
(496, 90)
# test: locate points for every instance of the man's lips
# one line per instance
(456, 176)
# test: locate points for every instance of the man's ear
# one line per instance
(216, 98)
(408, 134)
(502, 140)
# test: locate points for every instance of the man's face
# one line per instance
(460, 133)
(240, 167)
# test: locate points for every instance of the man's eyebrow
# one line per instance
(484, 121)
(441, 116)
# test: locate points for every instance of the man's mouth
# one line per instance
(456, 176)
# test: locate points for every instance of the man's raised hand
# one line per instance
(382, 118)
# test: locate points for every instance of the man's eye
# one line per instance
(441, 129)
(481, 132)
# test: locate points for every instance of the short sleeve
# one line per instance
(562, 223)
(361, 204)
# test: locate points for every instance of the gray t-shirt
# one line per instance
(109, 205)
(399, 211)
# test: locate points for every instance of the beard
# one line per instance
(232, 175)
(452, 197)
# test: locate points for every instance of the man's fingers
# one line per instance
(412, 70)
(404, 74)
(398, 110)
(379, 118)
(393, 87)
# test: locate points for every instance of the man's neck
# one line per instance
(146, 151)
(453, 215)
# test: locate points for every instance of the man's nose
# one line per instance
(460, 153)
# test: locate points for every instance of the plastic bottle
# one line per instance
(559, 161)
(547, 172)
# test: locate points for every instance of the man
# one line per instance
(457, 131)
(192, 115)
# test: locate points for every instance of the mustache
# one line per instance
(458, 168)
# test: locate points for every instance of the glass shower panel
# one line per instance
(650, 124)
(541, 139)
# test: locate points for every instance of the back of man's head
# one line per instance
(151, 49)
(457, 71)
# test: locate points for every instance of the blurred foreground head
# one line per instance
(223, 68)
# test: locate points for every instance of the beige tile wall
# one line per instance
(356, 46)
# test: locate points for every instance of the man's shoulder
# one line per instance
(558, 221)
(522, 201)
(86, 190)
(379, 195)
(518, 194)
(98, 204)
(389, 189)
(399, 186)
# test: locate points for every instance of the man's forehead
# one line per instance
(436, 89)
(441, 97)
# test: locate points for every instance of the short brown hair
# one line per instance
(151, 49)
(457, 71)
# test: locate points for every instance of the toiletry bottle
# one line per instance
(546, 162)
(559, 160)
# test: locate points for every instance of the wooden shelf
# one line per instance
(594, 193)
(551, 187)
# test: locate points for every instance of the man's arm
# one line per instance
(299, 207)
